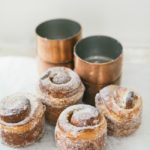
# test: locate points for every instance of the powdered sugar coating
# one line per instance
(35, 106)
(13, 105)
(28, 130)
(62, 102)
(68, 92)
(67, 126)
(111, 100)
(85, 114)
(70, 144)
(108, 97)
(59, 79)
(70, 136)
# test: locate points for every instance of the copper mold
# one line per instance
(98, 59)
(93, 89)
(56, 39)
(43, 66)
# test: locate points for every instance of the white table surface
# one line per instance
(20, 74)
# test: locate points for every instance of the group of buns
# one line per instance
(78, 126)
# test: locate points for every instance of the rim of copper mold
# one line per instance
(50, 29)
(94, 37)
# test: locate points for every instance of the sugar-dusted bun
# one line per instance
(21, 119)
(14, 109)
(122, 109)
(81, 127)
(59, 88)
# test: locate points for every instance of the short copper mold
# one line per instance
(56, 39)
(98, 61)
(43, 66)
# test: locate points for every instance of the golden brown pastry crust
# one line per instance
(122, 109)
(59, 88)
(81, 127)
(27, 126)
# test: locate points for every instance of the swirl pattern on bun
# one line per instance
(122, 109)
(59, 88)
(21, 119)
(81, 127)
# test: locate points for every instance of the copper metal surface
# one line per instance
(43, 66)
(92, 89)
(56, 39)
(98, 73)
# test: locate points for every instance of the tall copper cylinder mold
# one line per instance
(98, 61)
(56, 39)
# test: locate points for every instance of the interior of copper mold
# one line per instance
(58, 29)
(98, 49)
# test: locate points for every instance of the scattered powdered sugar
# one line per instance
(111, 142)
(128, 143)
(138, 141)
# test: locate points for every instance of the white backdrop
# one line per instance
(126, 20)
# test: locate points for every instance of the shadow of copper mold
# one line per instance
(98, 59)
(92, 89)
(56, 39)
(43, 66)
